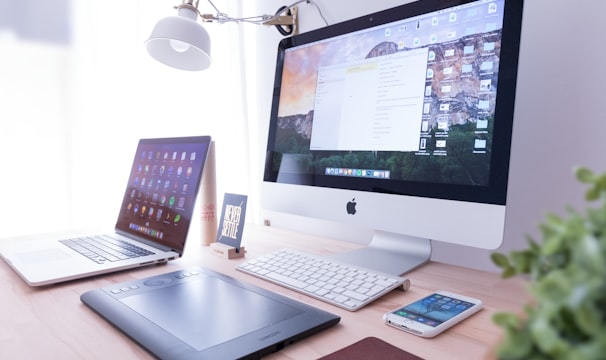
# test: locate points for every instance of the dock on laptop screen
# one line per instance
(161, 191)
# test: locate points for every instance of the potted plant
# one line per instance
(567, 281)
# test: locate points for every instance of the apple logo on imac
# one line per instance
(351, 207)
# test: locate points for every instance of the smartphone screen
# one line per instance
(434, 309)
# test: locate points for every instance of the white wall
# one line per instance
(71, 112)
(558, 117)
(33, 176)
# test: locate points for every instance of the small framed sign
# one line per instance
(231, 222)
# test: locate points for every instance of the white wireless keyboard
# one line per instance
(343, 285)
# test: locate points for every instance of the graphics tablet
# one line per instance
(199, 313)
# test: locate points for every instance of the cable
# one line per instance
(319, 11)
(285, 30)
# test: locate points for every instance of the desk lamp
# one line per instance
(181, 42)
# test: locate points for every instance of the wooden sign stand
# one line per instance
(226, 251)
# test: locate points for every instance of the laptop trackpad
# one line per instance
(207, 312)
(39, 256)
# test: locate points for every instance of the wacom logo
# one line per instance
(269, 336)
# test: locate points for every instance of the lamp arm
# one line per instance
(276, 19)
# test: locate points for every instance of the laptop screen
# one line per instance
(162, 188)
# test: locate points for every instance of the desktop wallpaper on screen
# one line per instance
(435, 74)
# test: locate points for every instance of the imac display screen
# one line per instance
(405, 106)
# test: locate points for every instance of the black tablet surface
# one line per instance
(202, 314)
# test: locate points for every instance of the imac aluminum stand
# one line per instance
(390, 253)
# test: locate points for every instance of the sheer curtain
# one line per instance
(72, 112)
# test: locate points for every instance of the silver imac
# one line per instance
(401, 122)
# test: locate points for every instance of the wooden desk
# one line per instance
(51, 322)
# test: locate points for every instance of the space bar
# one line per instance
(286, 280)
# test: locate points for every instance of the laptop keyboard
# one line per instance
(103, 248)
(347, 286)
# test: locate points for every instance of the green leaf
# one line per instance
(592, 194)
(594, 349)
(517, 344)
(586, 319)
(588, 255)
(546, 337)
(601, 182)
(507, 320)
(553, 219)
(499, 260)
(509, 272)
(522, 261)
(554, 287)
(533, 245)
(584, 175)
(552, 245)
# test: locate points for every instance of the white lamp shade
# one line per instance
(181, 43)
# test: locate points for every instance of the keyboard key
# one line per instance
(105, 248)
(289, 281)
(355, 295)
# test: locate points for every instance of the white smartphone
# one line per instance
(431, 315)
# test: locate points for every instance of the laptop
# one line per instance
(197, 313)
(152, 225)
